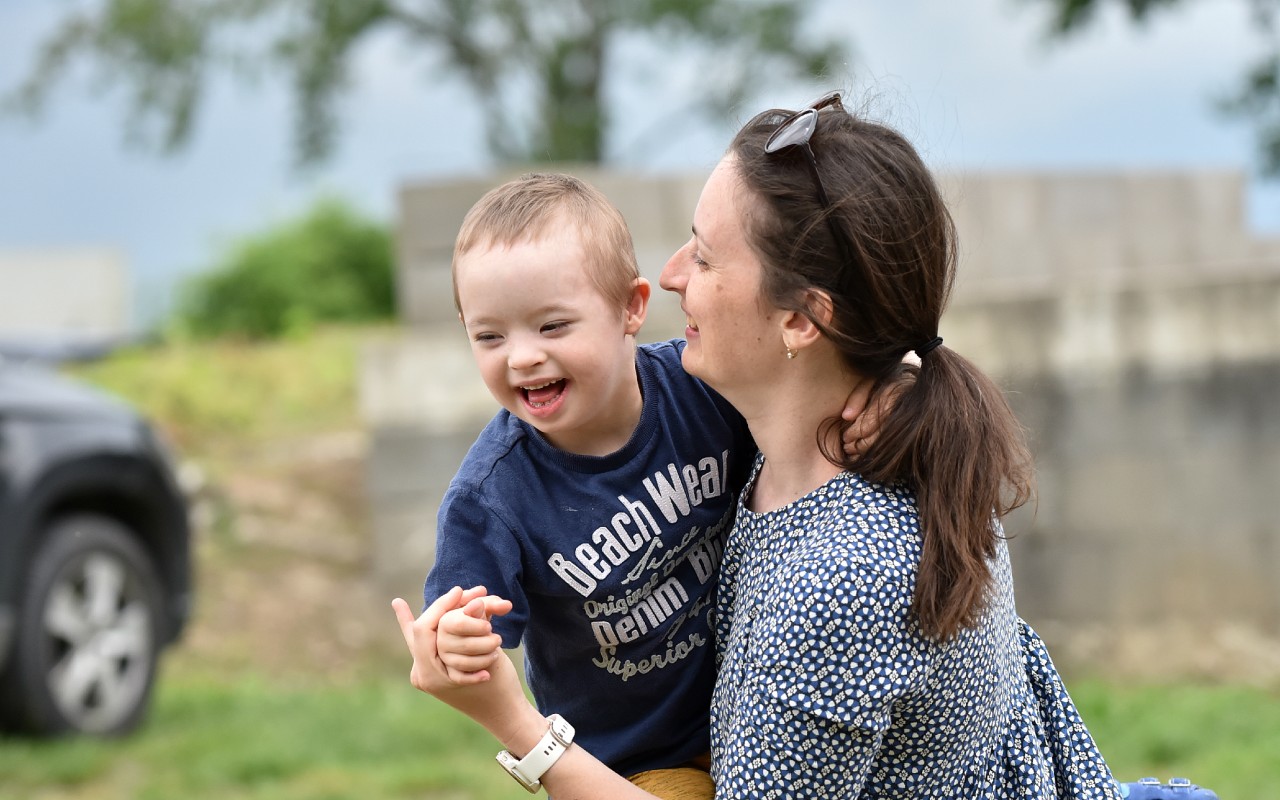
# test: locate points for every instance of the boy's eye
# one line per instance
(486, 337)
(552, 327)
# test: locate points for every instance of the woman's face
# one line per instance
(733, 335)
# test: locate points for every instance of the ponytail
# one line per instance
(948, 432)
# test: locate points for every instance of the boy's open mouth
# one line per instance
(544, 394)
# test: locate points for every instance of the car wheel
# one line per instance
(88, 631)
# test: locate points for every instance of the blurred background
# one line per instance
(237, 216)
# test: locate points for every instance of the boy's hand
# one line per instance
(864, 413)
(465, 640)
(864, 421)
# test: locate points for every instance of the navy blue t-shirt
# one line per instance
(610, 562)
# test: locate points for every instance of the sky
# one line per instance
(975, 85)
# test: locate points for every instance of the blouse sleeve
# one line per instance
(825, 665)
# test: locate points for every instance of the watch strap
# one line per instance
(528, 771)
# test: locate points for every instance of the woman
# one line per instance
(867, 637)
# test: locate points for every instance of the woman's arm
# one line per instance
(500, 705)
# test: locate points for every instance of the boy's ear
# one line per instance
(637, 305)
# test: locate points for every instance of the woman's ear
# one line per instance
(799, 329)
(637, 306)
(820, 306)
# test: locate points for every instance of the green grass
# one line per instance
(1224, 737)
(381, 740)
(254, 740)
(206, 394)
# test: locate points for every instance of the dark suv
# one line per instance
(95, 562)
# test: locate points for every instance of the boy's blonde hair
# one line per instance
(525, 208)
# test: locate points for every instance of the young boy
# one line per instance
(599, 498)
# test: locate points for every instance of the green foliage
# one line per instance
(329, 266)
(1257, 97)
(205, 394)
(554, 56)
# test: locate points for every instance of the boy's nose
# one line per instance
(524, 355)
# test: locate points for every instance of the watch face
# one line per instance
(511, 765)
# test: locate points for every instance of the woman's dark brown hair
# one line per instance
(949, 433)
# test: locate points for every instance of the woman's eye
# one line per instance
(698, 260)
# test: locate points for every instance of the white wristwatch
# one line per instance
(529, 770)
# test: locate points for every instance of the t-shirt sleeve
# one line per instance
(827, 662)
(475, 546)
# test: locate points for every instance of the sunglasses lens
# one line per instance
(796, 130)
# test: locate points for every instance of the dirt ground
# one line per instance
(282, 562)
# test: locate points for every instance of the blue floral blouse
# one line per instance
(827, 689)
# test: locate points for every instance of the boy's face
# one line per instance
(550, 348)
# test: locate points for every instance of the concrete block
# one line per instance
(1004, 337)
(411, 462)
(82, 295)
(1088, 203)
(646, 205)
(424, 293)
(404, 550)
(1086, 256)
(1160, 218)
(1012, 202)
(1219, 235)
(432, 213)
(1005, 264)
(426, 379)
(1069, 579)
(1085, 339)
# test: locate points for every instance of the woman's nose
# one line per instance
(673, 277)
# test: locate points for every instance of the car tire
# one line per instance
(88, 632)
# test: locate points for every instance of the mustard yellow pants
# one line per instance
(692, 782)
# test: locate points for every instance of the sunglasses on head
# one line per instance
(796, 131)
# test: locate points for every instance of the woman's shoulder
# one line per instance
(862, 528)
(861, 510)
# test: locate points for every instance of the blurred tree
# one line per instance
(537, 68)
(328, 265)
(1258, 94)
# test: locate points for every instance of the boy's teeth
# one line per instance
(543, 394)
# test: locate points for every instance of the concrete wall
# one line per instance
(1136, 323)
(63, 297)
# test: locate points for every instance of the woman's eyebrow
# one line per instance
(701, 241)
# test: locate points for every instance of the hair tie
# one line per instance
(925, 349)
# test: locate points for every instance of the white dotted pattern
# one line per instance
(827, 689)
